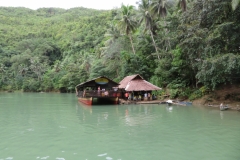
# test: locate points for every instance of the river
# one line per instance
(56, 126)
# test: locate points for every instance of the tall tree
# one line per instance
(182, 4)
(127, 22)
(159, 8)
(147, 18)
(112, 34)
(37, 67)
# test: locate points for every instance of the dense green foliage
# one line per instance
(181, 48)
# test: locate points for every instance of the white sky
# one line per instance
(66, 4)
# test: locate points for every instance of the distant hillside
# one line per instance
(47, 12)
(77, 24)
(32, 41)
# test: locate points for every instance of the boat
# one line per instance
(169, 102)
(223, 107)
(100, 90)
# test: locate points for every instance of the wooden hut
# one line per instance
(136, 88)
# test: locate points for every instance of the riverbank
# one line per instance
(228, 95)
(232, 105)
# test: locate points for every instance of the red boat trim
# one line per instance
(87, 101)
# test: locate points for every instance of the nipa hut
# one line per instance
(137, 88)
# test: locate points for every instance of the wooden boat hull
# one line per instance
(85, 100)
(98, 100)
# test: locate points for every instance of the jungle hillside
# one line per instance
(188, 47)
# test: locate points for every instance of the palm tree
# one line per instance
(112, 34)
(37, 67)
(182, 4)
(127, 22)
(235, 4)
(144, 9)
(159, 8)
(86, 62)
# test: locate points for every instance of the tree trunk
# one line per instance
(130, 37)
(154, 43)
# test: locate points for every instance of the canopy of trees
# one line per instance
(182, 45)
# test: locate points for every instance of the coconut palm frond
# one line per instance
(235, 4)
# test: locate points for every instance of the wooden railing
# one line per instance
(96, 93)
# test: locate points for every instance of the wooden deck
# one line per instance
(122, 101)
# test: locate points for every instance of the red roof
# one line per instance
(137, 83)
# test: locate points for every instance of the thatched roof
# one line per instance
(137, 83)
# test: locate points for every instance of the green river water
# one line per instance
(57, 127)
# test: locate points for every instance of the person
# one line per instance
(221, 106)
(145, 95)
(126, 95)
(99, 90)
(153, 97)
(84, 93)
(139, 97)
(106, 93)
(149, 96)
(135, 98)
(129, 96)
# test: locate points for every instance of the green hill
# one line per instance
(190, 50)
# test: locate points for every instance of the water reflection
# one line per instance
(215, 111)
(127, 118)
(130, 115)
(83, 106)
(169, 108)
(221, 114)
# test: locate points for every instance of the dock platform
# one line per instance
(122, 101)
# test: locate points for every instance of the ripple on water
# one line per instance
(104, 154)
(45, 157)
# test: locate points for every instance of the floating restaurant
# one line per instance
(103, 90)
